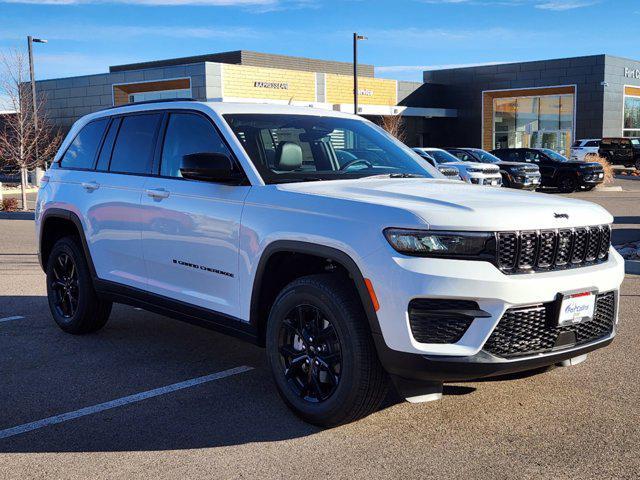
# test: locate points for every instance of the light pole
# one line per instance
(356, 37)
(30, 42)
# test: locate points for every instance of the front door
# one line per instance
(190, 229)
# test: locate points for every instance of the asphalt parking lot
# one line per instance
(172, 419)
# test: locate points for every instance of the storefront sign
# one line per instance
(274, 85)
(632, 73)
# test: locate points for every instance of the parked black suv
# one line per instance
(621, 151)
(521, 175)
(557, 171)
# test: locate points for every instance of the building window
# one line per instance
(631, 127)
(159, 95)
(544, 121)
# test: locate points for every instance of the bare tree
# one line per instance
(23, 145)
(394, 124)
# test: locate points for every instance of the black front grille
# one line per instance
(532, 330)
(440, 320)
(528, 251)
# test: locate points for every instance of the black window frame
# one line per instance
(164, 123)
(98, 149)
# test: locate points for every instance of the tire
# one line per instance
(359, 382)
(567, 184)
(637, 165)
(73, 301)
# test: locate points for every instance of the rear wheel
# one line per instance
(73, 302)
(321, 352)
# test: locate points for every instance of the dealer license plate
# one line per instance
(576, 308)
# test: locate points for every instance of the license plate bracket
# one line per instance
(576, 307)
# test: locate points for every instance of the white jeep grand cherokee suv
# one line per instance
(379, 270)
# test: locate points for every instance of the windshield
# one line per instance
(485, 157)
(443, 157)
(635, 141)
(553, 155)
(294, 148)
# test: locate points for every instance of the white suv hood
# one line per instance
(450, 204)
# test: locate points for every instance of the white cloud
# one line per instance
(562, 5)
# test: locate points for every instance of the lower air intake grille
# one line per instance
(531, 330)
(441, 320)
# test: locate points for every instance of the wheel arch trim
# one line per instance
(330, 253)
(72, 217)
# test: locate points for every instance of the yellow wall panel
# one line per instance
(244, 81)
(373, 91)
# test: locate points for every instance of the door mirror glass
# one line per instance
(210, 167)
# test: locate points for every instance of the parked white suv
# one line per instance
(239, 217)
(471, 172)
(583, 148)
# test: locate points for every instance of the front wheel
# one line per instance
(321, 352)
(73, 302)
(568, 184)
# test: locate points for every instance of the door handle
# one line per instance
(157, 193)
(90, 186)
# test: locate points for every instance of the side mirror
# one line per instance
(210, 167)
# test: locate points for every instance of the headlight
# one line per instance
(425, 243)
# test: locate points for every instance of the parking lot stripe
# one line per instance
(8, 319)
(119, 402)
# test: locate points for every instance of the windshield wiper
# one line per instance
(405, 175)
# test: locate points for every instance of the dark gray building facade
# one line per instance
(548, 103)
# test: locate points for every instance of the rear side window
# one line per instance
(188, 133)
(134, 147)
(82, 151)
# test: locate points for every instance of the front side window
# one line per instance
(134, 147)
(82, 151)
(286, 148)
(188, 133)
(554, 155)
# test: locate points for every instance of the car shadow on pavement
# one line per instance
(45, 372)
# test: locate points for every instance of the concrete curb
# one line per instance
(17, 215)
(609, 189)
(632, 267)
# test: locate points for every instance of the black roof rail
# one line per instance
(145, 102)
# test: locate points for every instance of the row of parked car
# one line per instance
(616, 150)
(521, 168)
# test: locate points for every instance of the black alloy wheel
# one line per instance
(75, 306)
(310, 353)
(64, 285)
(568, 184)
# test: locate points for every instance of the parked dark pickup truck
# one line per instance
(621, 151)
(557, 171)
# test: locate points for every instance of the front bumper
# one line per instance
(525, 182)
(486, 180)
(439, 368)
(591, 179)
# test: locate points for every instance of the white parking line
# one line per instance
(101, 407)
(9, 319)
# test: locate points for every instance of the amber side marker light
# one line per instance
(372, 294)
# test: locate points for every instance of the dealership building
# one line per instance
(548, 103)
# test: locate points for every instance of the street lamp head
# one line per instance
(39, 40)
(361, 37)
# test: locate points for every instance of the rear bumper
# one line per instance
(438, 368)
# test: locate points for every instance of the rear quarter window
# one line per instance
(82, 151)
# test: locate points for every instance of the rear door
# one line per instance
(113, 211)
(190, 232)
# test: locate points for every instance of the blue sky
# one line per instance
(405, 36)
